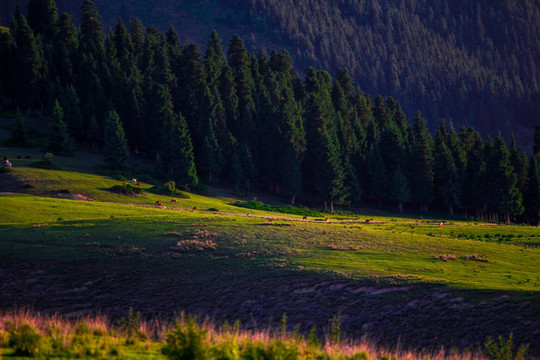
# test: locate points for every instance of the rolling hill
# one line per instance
(70, 244)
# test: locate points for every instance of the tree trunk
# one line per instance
(401, 208)
(325, 205)
(332, 206)
(451, 209)
(293, 199)
(380, 202)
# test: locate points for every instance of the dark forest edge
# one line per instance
(249, 120)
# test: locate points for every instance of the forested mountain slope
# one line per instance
(472, 62)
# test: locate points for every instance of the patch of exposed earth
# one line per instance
(420, 316)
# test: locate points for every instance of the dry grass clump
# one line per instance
(271, 223)
(445, 258)
(475, 257)
(194, 245)
(343, 247)
(173, 233)
(203, 234)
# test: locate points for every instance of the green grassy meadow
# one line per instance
(391, 248)
(205, 255)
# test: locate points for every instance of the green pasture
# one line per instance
(46, 224)
(392, 250)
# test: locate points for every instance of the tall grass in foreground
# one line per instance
(24, 334)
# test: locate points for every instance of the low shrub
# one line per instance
(118, 177)
(126, 189)
(169, 189)
(273, 349)
(130, 326)
(187, 341)
(5, 170)
(504, 349)
(25, 341)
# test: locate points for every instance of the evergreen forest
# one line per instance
(227, 115)
(472, 62)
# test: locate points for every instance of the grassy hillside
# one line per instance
(205, 255)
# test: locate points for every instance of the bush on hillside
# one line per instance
(45, 163)
(126, 189)
(504, 349)
(169, 189)
(187, 341)
(25, 341)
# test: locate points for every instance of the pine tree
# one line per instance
(93, 135)
(183, 161)
(446, 177)
(72, 112)
(211, 159)
(65, 47)
(400, 191)
(393, 147)
(229, 97)
(115, 148)
(59, 136)
(136, 30)
(377, 178)
(91, 33)
(239, 62)
(536, 140)
(214, 60)
(42, 16)
(236, 173)
(473, 179)
(331, 181)
(173, 40)
(380, 113)
(20, 132)
(505, 198)
(531, 198)
(28, 63)
(518, 160)
(292, 143)
(248, 167)
(421, 163)
(124, 49)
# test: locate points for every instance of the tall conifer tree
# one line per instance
(115, 148)
(421, 163)
(531, 198)
(20, 132)
(59, 136)
(42, 17)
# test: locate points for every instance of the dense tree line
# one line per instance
(474, 62)
(249, 119)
